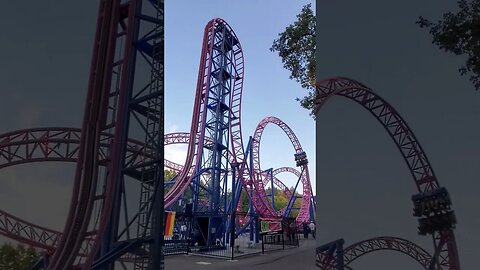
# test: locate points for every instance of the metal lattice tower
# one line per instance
(125, 100)
(217, 96)
(217, 76)
(150, 221)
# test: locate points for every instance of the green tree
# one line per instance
(168, 174)
(17, 258)
(459, 33)
(245, 201)
(281, 200)
(296, 47)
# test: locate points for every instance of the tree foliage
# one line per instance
(168, 175)
(281, 201)
(245, 201)
(17, 258)
(296, 47)
(459, 33)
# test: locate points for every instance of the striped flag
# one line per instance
(169, 220)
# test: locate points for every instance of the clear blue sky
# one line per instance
(267, 91)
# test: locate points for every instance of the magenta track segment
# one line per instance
(420, 168)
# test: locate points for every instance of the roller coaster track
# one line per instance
(376, 244)
(57, 144)
(420, 168)
(303, 214)
(102, 146)
(60, 144)
(197, 137)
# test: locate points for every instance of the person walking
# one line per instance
(183, 231)
(305, 230)
(312, 228)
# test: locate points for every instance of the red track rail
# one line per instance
(288, 193)
(57, 144)
(279, 183)
(197, 127)
(198, 123)
(91, 147)
(259, 183)
(61, 144)
(372, 245)
(28, 233)
(408, 145)
(406, 247)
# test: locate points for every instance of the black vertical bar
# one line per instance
(257, 230)
(438, 249)
(263, 244)
(158, 251)
(233, 207)
(338, 247)
(298, 238)
(188, 242)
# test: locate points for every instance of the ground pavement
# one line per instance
(302, 258)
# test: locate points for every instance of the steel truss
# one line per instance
(120, 140)
(119, 98)
(413, 154)
(57, 144)
(304, 177)
(328, 255)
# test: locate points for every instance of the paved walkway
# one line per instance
(302, 258)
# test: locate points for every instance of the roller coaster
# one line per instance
(118, 149)
(117, 206)
(432, 204)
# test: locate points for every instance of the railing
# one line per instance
(189, 237)
(275, 239)
(176, 247)
(272, 238)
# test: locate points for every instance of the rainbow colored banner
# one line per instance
(169, 220)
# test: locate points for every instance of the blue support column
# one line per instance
(251, 211)
(270, 173)
(291, 202)
(218, 69)
(252, 227)
(312, 208)
(233, 206)
(257, 231)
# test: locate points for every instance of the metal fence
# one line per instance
(284, 234)
(291, 233)
(191, 237)
(229, 241)
(176, 247)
